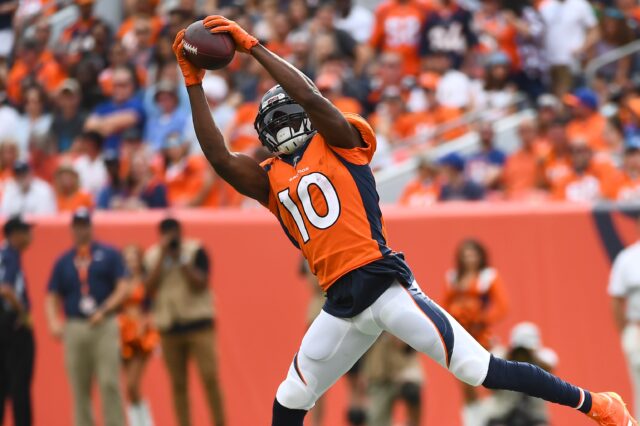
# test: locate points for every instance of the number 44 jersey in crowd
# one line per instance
(326, 200)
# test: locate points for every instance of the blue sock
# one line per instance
(534, 381)
(283, 416)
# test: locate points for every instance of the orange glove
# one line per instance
(219, 24)
(192, 74)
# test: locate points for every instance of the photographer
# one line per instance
(506, 408)
(178, 286)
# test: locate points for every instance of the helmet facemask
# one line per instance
(284, 127)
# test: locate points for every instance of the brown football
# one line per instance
(206, 50)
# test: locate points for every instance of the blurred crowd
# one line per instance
(94, 114)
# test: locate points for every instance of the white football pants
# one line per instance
(332, 345)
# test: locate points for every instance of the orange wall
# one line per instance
(551, 258)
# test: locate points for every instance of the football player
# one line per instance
(321, 189)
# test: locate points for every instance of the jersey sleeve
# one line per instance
(363, 154)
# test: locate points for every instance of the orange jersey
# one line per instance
(591, 130)
(73, 202)
(479, 305)
(522, 173)
(397, 29)
(325, 199)
(625, 189)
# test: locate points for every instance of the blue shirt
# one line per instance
(160, 127)
(105, 270)
(109, 107)
(11, 274)
(154, 196)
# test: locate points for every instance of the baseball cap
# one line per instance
(14, 224)
(165, 87)
(453, 160)
(497, 58)
(525, 335)
(82, 216)
(21, 167)
(548, 101)
(69, 85)
(583, 96)
(391, 92)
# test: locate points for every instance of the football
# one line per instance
(206, 50)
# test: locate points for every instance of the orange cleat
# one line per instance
(608, 409)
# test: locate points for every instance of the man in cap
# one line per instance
(68, 118)
(16, 335)
(26, 193)
(587, 124)
(168, 118)
(87, 283)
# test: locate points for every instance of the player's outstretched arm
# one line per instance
(325, 117)
(241, 171)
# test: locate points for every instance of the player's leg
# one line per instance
(410, 315)
(329, 349)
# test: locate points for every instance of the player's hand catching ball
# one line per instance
(219, 24)
(192, 74)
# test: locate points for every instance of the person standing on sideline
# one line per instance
(624, 289)
(17, 346)
(87, 281)
(138, 336)
(476, 298)
(178, 286)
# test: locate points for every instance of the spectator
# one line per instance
(523, 173)
(455, 88)
(496, 33)
(89, 163)
(27, 194)
(68, 118)
(499, 91)
(142, 10)
(330, 85)
(485, 167)
(511, 408)
(625, 304)
(138, 336)
(436, 122)
(615, 33)
(7, 35)
(178, 282)
(424, 190)
(87, 281)
(8, 114)
(582, 183)
(189, 178)
(17, 348)
(397, 29)
(140, 189)
(8, 157)
(455, 186)
(33, 66)
(123, 111)
(77, 39)
(69, 196)
(627, 189)
(549, 111)
(448, 30)
(32, 128)
(355, 19)
(630, 121)
(587, 124)
(571, 31)
(393, 373)
(530, 29)
(115, 181)
(476, 298)
(391, 119)
(324, 23)
(169, 119)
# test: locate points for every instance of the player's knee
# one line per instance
(471, 371)
(295, 396)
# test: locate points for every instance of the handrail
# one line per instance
(611, 56)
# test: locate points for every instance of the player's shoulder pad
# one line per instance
(268, 163)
